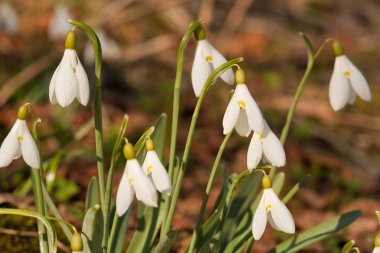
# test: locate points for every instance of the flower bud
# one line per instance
(337, 48)
(129, 151)
(200, 33)
(71, 40)
(149, 145)
(22, 112)
(266, 182)
(76, 242)
(240, 76)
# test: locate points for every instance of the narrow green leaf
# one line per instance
(317, 233)
(118, 232)
(166, 243)
(141, 142)
(278, 182)
(92, 230)
(348, 246)
(309, 47)
(293, 191)
(92, 196)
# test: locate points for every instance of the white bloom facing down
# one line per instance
(272, 209)
(376, 250)
(266, 145)
(152, 166)
(346, 83)
(58, 25)
(134, 182)
(206, 60)
(69, 81)
(19, 142)
(243, 113)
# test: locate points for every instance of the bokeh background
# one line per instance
(338, 152)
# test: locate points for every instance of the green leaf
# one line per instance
(92, 196)
(293, 191)
(141, 142)
(317, 233)
(278, 182)
(310, 50)
(92, 230)
(348, 246)
(166, 243)
(118, 232)
(28, 213)
(65, 189)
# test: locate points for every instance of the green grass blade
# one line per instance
(92, 196)
(92, 230)
(166, 243)
(118, 232)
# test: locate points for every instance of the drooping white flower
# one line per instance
(58, 25)
(134, 182)
(376, 250)
(346, 81)
(110, 49)
(206, 60)
(69, 80)
(19, 142)
(8, 18)
(242, 112)
(272, 209)
(266, 145)
(153, 167)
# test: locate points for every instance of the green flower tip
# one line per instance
(22, 112)
(149, 145)
(240, 76)
(377, 240)
(129, 151)
(266, 182)
(71, 40)
(76, 242)
(337, 48)
(200, 33)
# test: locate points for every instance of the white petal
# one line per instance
(217, 60)
(29, 148)
(352, 96)
(160, 177)
(242, 127)
(255, 118)
(83, 87)
(124, 196)
(273, 149)
(280, 214)
(358, 81)
(255, 151)
(66, 86)
(143, 186)
(376, 250)
(339, 88)
(259, 221)
(10, 146)
(52, 97)
(201, 68)
(231, 115)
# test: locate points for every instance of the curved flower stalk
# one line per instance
(242, 112)
(267, 146)
(271, 208)
(153, 167)
(134, 181)
(206, 60)
(346, 82)
(58, 25)
(19, 142)
(69, 80)
(8, 18)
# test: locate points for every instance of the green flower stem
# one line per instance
(98, 120)
(175, 115)
(301, 86)
(207, 192)
(211, 80)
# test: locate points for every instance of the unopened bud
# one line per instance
(76, 242)
(71, 40)
(129, 151)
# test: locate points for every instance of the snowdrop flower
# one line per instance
(242, 112)
(19, 142)
(134, 181)
(110, 49)
(69, 79)
(271, 208)
(152, 166)
(206, 60)
(346, 81)
(58, 25)
(266, 145)
(8, 18)
(377, 244)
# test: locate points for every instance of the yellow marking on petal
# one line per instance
(20, 138)
(241, 104)
(261, 137)
(130, 180)
(347, 73)
(208, 58)
(74, 70)
(149, 169)
(268, 207)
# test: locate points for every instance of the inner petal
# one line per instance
(241, 104)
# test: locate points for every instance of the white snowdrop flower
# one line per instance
(206, 60)
(346, 81)
(242, 112)
(58, 25)
(134, 182)
(8, 18)
(19, 142)
(110, 49)
(266, 145)
(376, 250)
(69, 79)
(153, 167)
(271, 208)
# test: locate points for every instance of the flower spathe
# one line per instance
(346, 82)
(69, 80)
(272, 209)
(19, 142)
(266, 145)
